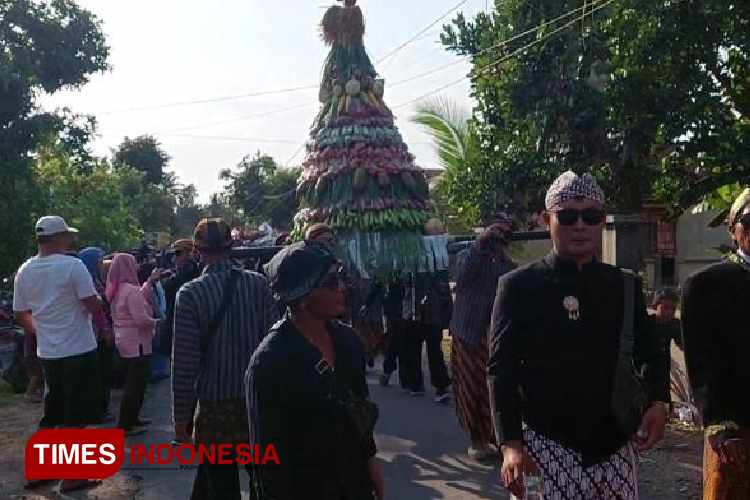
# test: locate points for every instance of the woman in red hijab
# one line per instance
(134, 327)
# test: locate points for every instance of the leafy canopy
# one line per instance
(262, 191)
(652, 97)
(45, 46)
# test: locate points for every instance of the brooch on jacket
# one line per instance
(572, 305)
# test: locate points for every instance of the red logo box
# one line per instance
(74, 454)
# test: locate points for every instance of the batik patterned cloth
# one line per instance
(221, 422)
(565, 478)
(570, 186)
(469, 371)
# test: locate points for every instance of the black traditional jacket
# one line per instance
(293, 406)
(716, 332)
(554, 344)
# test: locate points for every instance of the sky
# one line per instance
(172, 51)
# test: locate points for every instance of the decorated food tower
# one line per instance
(358, 175)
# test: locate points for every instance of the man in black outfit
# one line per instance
(717, 347)
(554, 349)
(186, 270)
(425, 320)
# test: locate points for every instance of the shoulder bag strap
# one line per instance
(226, 300)
(627, 335)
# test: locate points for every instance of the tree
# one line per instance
(219, 206)
(652, 97)
(262, 191)
(145, 154)
(156, 196)
(44, 46)
(156, 208)
(457, 148)
(93, 200)
(188, 212)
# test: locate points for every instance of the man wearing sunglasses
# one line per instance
(717, 347)
(186, 270)
(554, 350)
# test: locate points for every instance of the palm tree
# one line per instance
(457, 150)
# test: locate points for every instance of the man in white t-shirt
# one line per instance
(54, 298)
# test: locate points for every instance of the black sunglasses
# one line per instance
(745, 221)
(589, 216)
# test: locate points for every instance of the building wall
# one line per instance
(697, 244)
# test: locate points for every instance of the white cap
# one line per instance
(51, 225)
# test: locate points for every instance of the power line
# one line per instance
(222, 138)
(212, 100)
(296, 152)
(492, 47)
(593, 6)
(281, 91)
(316, 86)
(421, 32)
(507, 57)
(239, 118)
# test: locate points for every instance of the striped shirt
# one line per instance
(246, 321)
(476, 284)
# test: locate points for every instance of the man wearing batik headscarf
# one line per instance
(557, 374)
(717, 347)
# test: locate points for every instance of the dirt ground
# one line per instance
(18, 421)
(670, 472)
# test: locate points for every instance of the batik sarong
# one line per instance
(565, 478)
(469, 374)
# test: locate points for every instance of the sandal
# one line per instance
(36, 483)
(68, 485)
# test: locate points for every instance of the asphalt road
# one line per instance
(421, 449)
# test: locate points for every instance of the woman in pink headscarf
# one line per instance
(134, 327)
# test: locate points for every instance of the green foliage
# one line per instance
(262, 191)
(187, 213)
(156, 208)
(44, 47)
(652, 97)
(157, 192)
(93, 201)
(457, 148)
(723, 198)
(144, 154)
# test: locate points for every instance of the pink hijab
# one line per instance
(124, 269)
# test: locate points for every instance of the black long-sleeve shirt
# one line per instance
(294, 407)
(555, 373)
(716, 332)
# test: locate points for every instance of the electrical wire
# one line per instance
(504, 58)
(421, 32)
(280, 91)
(239, 119)
(493, 47)
(220, 138)
(212, 100)
(420, 98)
(296, 152)
(316, 86)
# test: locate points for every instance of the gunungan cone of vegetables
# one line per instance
(358, 175)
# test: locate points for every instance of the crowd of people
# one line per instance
(556, 368)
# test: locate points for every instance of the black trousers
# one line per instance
(414, 336)
(394, 354)
(73, 397)
(136, 377)
(218, 482)
(106, 360)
